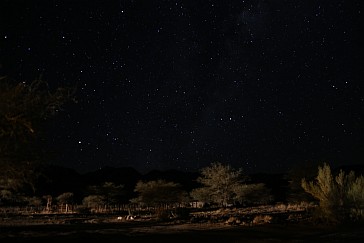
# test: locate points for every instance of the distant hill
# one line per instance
(277, 183)
(126, 176)
(56, 180)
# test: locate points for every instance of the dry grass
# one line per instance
(262, 219)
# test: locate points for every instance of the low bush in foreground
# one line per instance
(341, 198)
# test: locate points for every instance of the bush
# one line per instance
(262, 219)
(162, 214)
(341, 198)
(83, 210)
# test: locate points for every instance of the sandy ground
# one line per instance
(146, 231)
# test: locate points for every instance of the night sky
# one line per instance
(263, 85)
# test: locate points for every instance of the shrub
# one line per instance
(93, 201)
(341, 198)
(82, 210)
(262, 219)
(162, 214)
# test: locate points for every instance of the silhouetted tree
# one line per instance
(253, 194)
(24, 109)
(156, 193)
(93, 201)
(65, 199)
(112, 194)
(34, 201)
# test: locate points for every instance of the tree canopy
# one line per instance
(24, 109)
(111, 193)
(224, 185)
(156, 193)
(221, 184)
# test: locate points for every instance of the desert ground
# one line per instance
(216, 226)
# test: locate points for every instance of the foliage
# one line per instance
(341, 198)
(202, 194)
(11, 198)
(5, 196)
(356, 192)
(162, 214)
(65, 198)
(221, 184)
(34, 201)
(93, 201)
(356, 197)
(24, 109)
(111, 193)
(252, 194)
(295, 192)
(262, 219)
(156, 193)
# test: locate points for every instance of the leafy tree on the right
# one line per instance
(341, 198)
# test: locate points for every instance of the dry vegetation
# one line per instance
(245, 216)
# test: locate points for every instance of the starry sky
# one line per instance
(263, 85)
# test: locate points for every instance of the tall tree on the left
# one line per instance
(24, 110)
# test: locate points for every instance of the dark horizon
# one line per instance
(314, 166)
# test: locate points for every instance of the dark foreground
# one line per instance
(181, 232)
